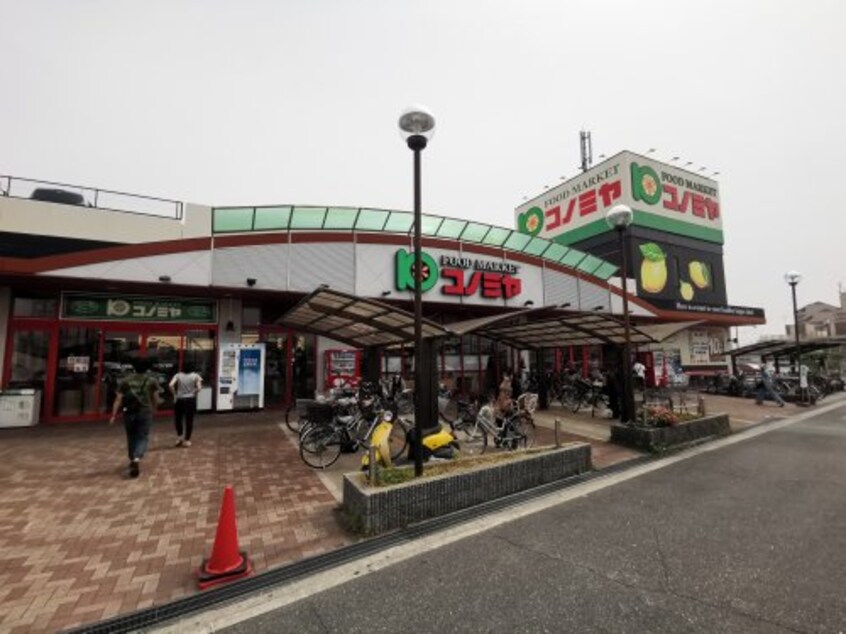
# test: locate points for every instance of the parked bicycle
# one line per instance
(323, 443)
(511, 430)
(347, 424)
(588, 393)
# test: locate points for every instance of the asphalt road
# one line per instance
(747, 538)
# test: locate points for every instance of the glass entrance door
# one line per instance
(275, 368)
(163, 351)
(120, 351)
(77, 391)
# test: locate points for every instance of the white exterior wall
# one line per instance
(18, 215)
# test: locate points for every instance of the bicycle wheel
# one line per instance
(472, 439)
(577, 402)
(304, 428)
(320, 447)
(448, 409)
(398, 440)
(292, 419)
(525, 429)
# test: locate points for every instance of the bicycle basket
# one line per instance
(320, 413)
(302, 407)
(527, 402)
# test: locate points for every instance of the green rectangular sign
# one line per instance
(138, 308)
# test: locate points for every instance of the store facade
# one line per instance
(96, 289)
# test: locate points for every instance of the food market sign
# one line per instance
(663, 197)
(459, 276)
(137, 308)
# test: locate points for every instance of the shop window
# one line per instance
(449, 362)
(35, 307)
(304, 376)
(163, 356)
(29, 358)
(120, 353)
(77, 390)
(198, 355)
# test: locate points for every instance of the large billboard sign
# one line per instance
(663, 197)
(672, 272)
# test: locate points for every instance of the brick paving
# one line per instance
(81, 542)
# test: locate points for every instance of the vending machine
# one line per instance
(342, 367)
(240, 379)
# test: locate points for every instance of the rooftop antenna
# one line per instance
(587, 150)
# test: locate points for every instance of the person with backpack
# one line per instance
(137, 397)
(185, 386)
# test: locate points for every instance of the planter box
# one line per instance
(371, 510)
(660, 438)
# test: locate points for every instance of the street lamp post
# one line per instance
(793, 278)
(417, 125)
(619, 218)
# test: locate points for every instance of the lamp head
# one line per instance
(619, 217)
(793, 277)
(417, 126)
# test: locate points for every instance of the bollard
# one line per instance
(700, 406)
(372, 465)
(557, 432)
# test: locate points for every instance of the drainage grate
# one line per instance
(149, 617)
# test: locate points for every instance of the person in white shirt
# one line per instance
(185, 386)
(639, 371)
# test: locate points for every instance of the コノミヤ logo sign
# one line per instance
(675, 193)
(459, 276)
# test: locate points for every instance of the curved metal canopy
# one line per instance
(566, 329)
(365, 322)
(356, 321)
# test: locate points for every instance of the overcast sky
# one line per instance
(258, 102)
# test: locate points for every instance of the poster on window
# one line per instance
(240, 382)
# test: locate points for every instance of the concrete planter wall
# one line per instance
(371, 510)
(659, 438)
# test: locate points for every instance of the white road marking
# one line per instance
(237, 612)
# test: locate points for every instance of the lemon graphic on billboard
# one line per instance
(653, 269)
(686, 291)
(531, 221)
(700, 274)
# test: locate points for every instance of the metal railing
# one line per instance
(94, 197)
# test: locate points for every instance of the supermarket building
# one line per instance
(91, 280)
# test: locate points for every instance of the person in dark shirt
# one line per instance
(137, 398)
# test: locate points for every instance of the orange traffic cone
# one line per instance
(227, 562)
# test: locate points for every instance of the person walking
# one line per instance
(185, 386)
(504, 397)
(137, 397)
(639, 371)
(766, 387)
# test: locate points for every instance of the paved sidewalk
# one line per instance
(80, 542)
